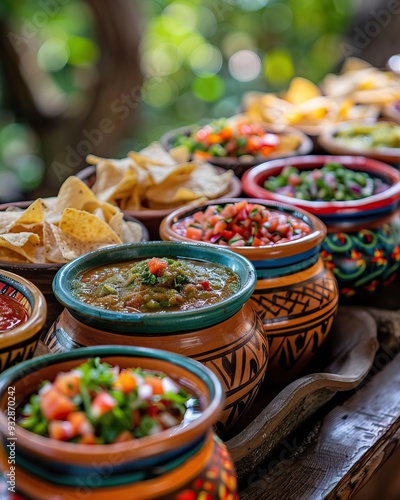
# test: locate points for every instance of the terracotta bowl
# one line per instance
(151, 218)
(164, 465)
(19, 343)
(240, 165)
(227, 336)
(295, 296)
(362, 246)
(42, 275)
(332, 145)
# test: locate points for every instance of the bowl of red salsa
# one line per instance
(22, 316)
(112, 420)
(295, 297)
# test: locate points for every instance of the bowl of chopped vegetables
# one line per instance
(295, 296)
(22, 316)
(356, 197)
(125, 420)
(236, 143)
(184, 297)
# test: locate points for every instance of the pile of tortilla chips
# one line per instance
(358, 92)
(153, 179)
(57, 230)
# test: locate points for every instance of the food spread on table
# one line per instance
(235, 137)
(331, 182)
(12, 313)
(359, 92)
(56, 230)
(155, 285)
(241, 224)
(97, 403)
(153, 179)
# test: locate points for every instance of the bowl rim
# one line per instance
(49, 266)
(150, 213)
(38, 315)
(147, 445)
(252, 179)
(327, 140)
(176, 249)
(289, 248)
(305, 146)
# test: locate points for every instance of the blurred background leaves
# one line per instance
(195, 60)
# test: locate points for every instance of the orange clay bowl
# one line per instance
(295, 296)
(19, 343)
(168, 464)
(227, 336)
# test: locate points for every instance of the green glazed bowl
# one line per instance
(161, 322)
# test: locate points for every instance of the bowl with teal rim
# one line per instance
(295, 296)
(154, 322)
(167, 462)
(226, 336)
(19, 342)
(362, 246)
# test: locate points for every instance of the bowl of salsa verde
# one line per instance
(155, 287)
(22, 316)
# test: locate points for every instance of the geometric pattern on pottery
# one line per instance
(241, 366)
(6, 289)
(19, 353)
(363, 260)
(217, 481)
(291, 301)
(296, 319)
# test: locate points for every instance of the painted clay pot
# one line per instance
(362, 246)
(295, 296)
(227, 337)
(178, 463)
(19, 343)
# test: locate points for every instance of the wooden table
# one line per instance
(338, 450)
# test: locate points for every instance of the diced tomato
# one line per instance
(156, 266)
(60, 430)
(153, 410)
(256, 242)
(201, 155)
(214, 139)
(227, 235)
(228, 212)
(68, 384)
(220, 226)
(155, 383)
(80, 424)
(124, 437)
(55, 406)
(102, 403)
(226, 133)
(198, 216)
(126, 382)
(240, 205)
(205, 285)
(88, 439)
(194, 233)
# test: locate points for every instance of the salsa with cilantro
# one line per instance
(155, 285)
(241, 224)
(99, 404)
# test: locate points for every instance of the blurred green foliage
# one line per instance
(198, 56)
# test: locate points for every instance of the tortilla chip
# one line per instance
(86, 227)
(154, 154)
(301, 90)
(165, 173)
(50, 243)
(132, 232)
(74, 193)
(25, 244)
